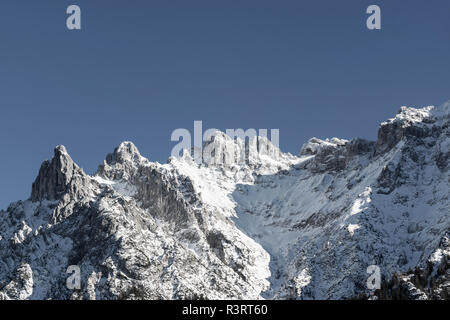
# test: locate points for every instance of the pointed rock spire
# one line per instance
(55, 176)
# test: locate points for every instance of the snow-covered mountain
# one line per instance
(273, 226)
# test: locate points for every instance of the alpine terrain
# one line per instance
(272, 226)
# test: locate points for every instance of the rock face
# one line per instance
(430, 282)
(57, 177)
(409, 122)
(250, 222)
(335, 154)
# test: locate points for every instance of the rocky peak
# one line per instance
(269, 230)
(409, 122)
(122, 163)
(125, 152)
(224, 150)
(261, 147)
(55, 176)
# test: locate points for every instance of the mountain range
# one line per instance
(274, 226)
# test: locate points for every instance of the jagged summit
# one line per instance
(411, 123)
(60, 150)
(55, 176)
(286, 227)
(222, 150)
(126, 151)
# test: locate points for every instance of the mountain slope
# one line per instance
(272, 226)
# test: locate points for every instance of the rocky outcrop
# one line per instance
(222, 150)
(333, 155)
(430, 282)
(58, 177)
(409, 122)
(21, 285)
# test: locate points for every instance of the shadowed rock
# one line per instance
(56, 176)
(408, 122)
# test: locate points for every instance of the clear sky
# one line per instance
(140, 69)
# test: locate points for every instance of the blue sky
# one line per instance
(140, 69)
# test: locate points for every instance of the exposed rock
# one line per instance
(57, 177)
(408, 122)
(335, 154)
(21, 285)
(272, 226)
(430, 282)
